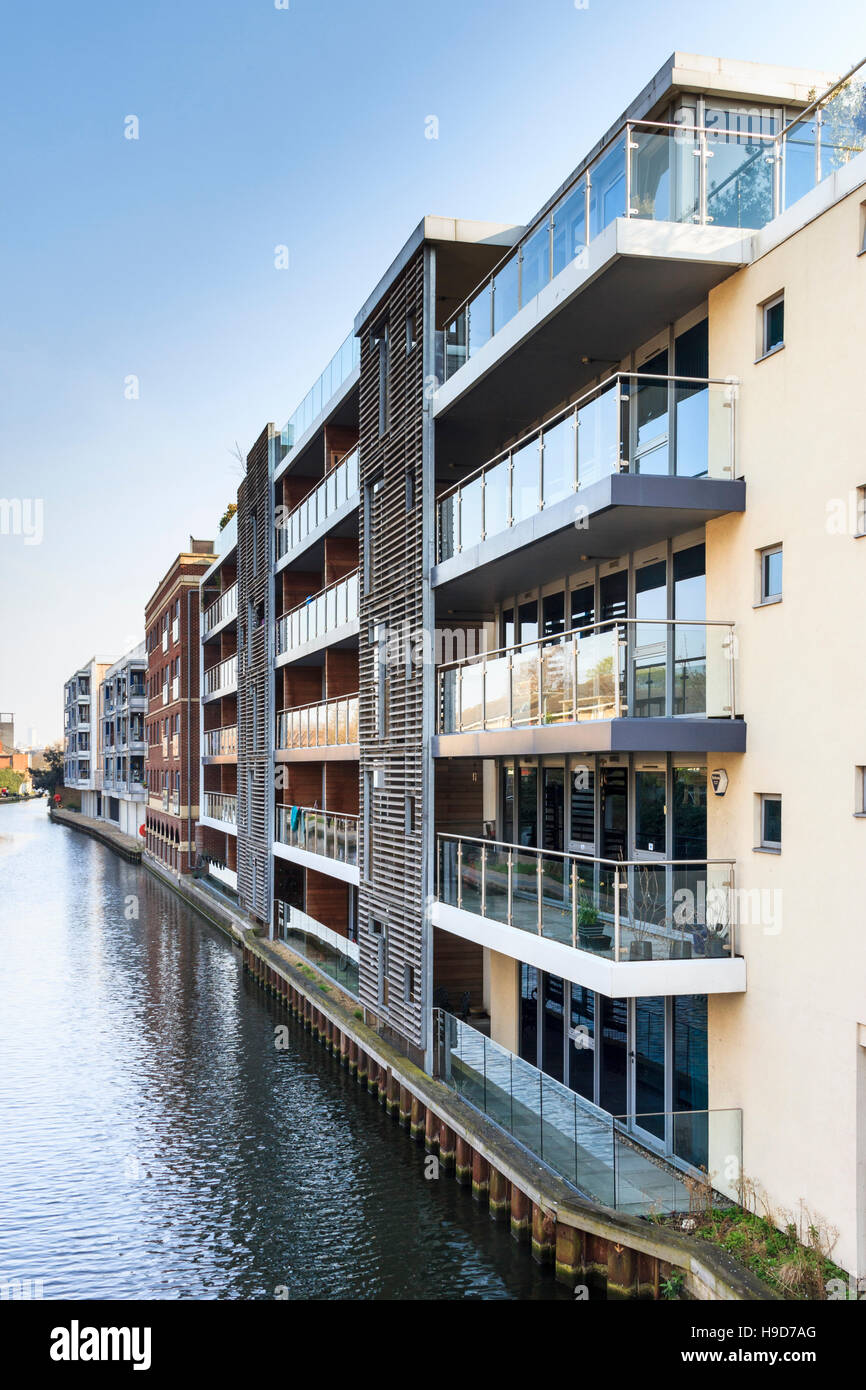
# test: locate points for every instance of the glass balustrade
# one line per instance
(741, 175)
(623, 910)
(642, 1164)
(341, 484)
(319, 832)
(217, 806)
(325, 724)
(634, 423)
(320, 614)
(627, 669)
(221, 743)
(338, 370)
(226, 606)
(219, 677)
(334, 955)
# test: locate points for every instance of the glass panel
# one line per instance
(448, 526)
(535, 263)
(496, 499)
(607, 189)
(598, 444)
(596, 655)
(472, 696)
(455, 343)
(353, 719)
(690, 1079)
(553, 615)
(613, 1042)
(497, 883)
(447, 886)
(496, 692)
(569, 228)
(649, 811)
(552, 1025)
(557, 695)
(525, 481)
(581, 1039)
(556, 900)
(582, 823)
(527, 805)
(470, 513)
(505, 293)
(843, 127)
(524, 687)
(529, 1013)
(558, 462)
(479, 320)
(649, 1064)
(739, 178)
(689, 812)
(470, 877)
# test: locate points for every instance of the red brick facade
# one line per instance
(173, 710)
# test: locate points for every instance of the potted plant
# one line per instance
(590, 933)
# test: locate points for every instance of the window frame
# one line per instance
(765, 309)
(765, 599)
(775, 846)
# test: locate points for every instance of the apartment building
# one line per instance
(82, 732)
(519, 724)
(218, 809)
(122, 718)
(173, 711)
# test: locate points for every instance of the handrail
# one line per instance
(559, 638)
(574, 854)
(822, 99)
(320, 593)
(227, 594)
(355, 448)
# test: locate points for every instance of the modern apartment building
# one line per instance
(82, 728)
(173, 710)
(218, 808)
(515, 664)
(122, 717)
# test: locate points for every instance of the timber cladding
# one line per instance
(254, 617)
(390, 907)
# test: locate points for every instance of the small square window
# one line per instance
(411, 340)
(860, 791)
(862, 251)
(861, 511)
(771, 822)
(773, 325)
(770, 574)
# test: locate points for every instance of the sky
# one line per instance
(146, 328)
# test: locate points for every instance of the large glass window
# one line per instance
(582, 809)
(552, 1023)
(690, 1079)
(649, 1065)
(527, 805)
(690, 634)
(529, 1014)
(614, 1054)
(689, 812)
(583, 606)
(553, 615)
(581, 1042)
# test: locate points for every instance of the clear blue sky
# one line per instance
(258, 126)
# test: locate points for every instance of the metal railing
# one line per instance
(322, 501)
(335, 836)
(221, 743)
(640, 1163)
(221, 676)
(333, 954)
(322, 724)
(330, 608)
(630, 667)
(340, 367)
(624, 910)
(220, 806)
(728, 175)
(226, 606)
(635, 422)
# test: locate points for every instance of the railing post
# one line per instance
(616, 917)
(459, 873)
(538, 870)
(574, 903)
(483, 880)
(510, 900)
(628, 211)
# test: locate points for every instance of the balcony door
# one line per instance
(648, 640)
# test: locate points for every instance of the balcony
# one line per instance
(654, 171)
(327, 724)
(339, 488)
(629, 686)
(219, 612)
(624, 927)
(320, 840)
(220, 806)
(641, 1164)
(327, 618)
(221, 679)
(221, 743)
(335, 955)
(640, 457)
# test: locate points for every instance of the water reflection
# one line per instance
(157, 1145)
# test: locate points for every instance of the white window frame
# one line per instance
(765, 309)
(763, 599)
(764, 842)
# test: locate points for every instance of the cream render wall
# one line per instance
(788, 1050)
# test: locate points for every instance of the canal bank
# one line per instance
(581, 1241)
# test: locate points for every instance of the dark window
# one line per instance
(774, 324)
(379, 344)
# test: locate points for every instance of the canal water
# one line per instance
(156, 1144)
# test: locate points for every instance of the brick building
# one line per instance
(172, 766)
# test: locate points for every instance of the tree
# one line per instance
(10, 780)
(50, 778)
